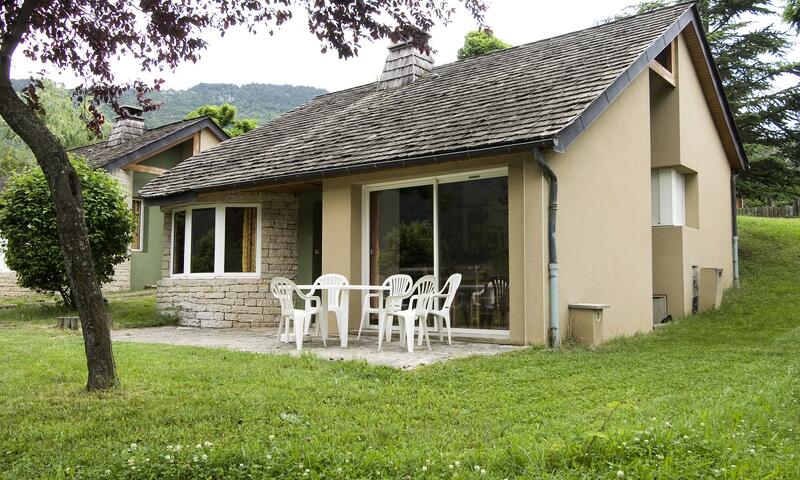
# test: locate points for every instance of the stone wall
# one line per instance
(225, 302)
(9, 287)
(121, 281)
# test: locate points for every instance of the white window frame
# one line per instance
(219, 242)
(3, 267)
(435, 181)
(141, 224)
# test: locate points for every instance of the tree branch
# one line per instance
(12, 38)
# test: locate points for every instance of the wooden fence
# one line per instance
(783, 211)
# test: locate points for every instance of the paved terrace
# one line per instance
(263, 341)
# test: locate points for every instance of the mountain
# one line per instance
(259, 101)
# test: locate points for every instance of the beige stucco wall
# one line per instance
(342, 223)
(706, 239)
(603, 227)
(225, 302)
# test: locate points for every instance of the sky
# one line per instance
(292, 55)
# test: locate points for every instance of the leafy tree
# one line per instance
(28, 223)
(85, 36)
(225, 117)
(752, 62)
(61, 115)
(480, 42)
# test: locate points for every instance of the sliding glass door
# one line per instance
(401, 232)
(442, 226)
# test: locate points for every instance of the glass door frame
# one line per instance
(433, 180)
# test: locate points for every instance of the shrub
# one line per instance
(28, 223)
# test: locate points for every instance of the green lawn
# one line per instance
(713, 396)
(127, 311)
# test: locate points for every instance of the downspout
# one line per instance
(734, 222)
(555, 337)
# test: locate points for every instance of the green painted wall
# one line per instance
(146, 265)
(305, 236)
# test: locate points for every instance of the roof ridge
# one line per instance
(687, 4)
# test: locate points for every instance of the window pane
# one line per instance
(136, 242)
(178, 243)
(401, 232)
(473, 241)
(240, 239)
(202, 260)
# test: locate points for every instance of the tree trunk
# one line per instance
(66, 191)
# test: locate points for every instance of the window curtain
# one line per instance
(249, 240)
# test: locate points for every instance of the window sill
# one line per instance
(214, 276)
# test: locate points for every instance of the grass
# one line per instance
(127, 311)
(712, 396)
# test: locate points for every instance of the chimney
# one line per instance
(126, 126)
(404, 65)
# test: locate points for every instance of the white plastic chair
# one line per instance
(419, 302)
(283, 289)
(398, 285)
(442, 315)
(337, 299)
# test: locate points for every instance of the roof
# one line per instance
(152, 140)
(544, 93)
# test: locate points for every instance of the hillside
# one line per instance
(259, 101)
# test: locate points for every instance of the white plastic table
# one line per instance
(342, 324)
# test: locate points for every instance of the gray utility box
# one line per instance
(659, 309)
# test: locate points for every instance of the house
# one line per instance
(135, 154)
(454, 169)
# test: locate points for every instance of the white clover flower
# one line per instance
(477, 468)
(483, 471)
(198, 446)
(457, 463)
(241, 465)
(208, 444)
(272, 437)
(177, 448)
(646, 441)
(131, 461)
(450, 466)
(204, 456)
(169, 447)
(133, 446)
(752, 451)
(108, 472)
(269, 457)
(424, 468)
(620, 474)
(686, 437)
(167, 457)
(194, 458)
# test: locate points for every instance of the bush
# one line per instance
(28, 223)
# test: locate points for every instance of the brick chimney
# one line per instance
(404, 65)
(126, 126)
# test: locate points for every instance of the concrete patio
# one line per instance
(263, 341)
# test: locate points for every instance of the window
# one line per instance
(668, 197)
(3, 246)
(138, 225)
(444, 225)
(216, 240)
